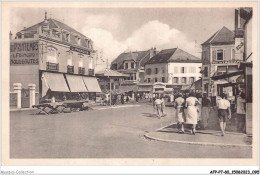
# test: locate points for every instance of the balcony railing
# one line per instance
(82, 70)
(70, 69)
(90, 71)
(52, 66)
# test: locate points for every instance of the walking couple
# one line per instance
(191, 114)
(159, 104)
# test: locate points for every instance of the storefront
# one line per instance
(66, 86)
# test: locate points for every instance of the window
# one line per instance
(205, 55)
(221, 70)
(51, 54)
(206, 71)
(163, 79)
(81, 70)
(233, 54)
(192, 69)
(175, 80)
(176, 70)
(90, 71)
(220, 55)
(156, 70)
(69, 61)
(134, 76)
(163, 70)
(232, 68)
(132, 65)
(148, 71)
(126, 65)
(65, 36)
(182, 69)
(148, 80)
(155, 79)
(206, 87)
(114, 67)
(183, 80)
(70, 69)
(192, 79)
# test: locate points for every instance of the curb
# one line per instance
(204, 131)
(195, 143)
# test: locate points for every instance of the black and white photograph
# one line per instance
(137, 82)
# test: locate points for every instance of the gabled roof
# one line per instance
(135, 56)
(53, 23)
(222, 36)
(173, 55)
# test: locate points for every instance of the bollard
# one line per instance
(32, 94)
(17, 89)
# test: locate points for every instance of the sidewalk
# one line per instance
(210, 136)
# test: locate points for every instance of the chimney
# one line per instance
(151, 53)
(10, 35)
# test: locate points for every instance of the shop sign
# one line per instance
(79, 50)
(24, 53)
(239, 45)
(226, 62)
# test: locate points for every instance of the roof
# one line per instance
(59, 26)
(110, 73)
(53, 23)
(173, 55)
(139, 56)
(222, 36)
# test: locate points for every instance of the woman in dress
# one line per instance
(192, 114)
(179, 104)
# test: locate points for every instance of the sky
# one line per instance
(117, 30)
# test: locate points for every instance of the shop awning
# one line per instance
(55, 81)
(92, 84)
(76, 83)
(144, 88)
(128, 88)
(222, 76)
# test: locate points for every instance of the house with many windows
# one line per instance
(219, 56)
(173, 66)
(52, 56)
(132, 64)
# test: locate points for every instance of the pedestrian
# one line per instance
(199, 108)
(192, 114)
(179, 106)
(158, 106)
(205, 111)
(162, 105)
(137, 97)
(171, 98)
(223, 112)
(241, 112)
(106, 99)
(122, 99)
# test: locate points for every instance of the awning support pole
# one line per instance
(110, 90)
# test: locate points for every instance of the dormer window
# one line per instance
(65, 36)
(77, 39)
(55, 33)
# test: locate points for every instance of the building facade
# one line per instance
(132, 64)
(173, 66)
(219, 56)
(51, 55)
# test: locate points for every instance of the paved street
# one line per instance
(103, 133)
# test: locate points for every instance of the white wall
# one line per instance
(187, 74)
